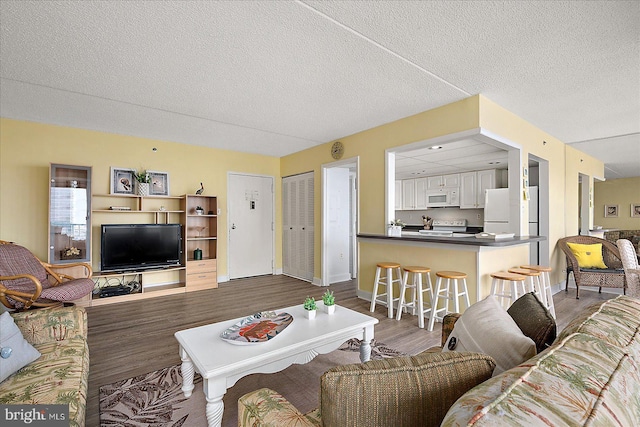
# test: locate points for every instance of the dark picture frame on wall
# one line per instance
(159, 184)
(635, 210)
(121, 181)
(610, 211)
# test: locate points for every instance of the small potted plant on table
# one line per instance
(310, 307)
(329, 302)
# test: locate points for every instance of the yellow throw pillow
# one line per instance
(588, 256)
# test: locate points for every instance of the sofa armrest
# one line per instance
(402, 391)
(448, 322)
(52, 324)
(265, 407)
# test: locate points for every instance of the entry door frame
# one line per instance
(273, 218)
(345, 163)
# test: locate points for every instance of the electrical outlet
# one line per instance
(478, 216)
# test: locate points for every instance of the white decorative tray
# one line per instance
(257, 328)
(495, 236)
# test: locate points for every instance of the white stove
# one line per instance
(447, 228)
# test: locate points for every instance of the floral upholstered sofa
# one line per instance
(60, 374)
(590, 375)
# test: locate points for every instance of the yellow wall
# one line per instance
(27, 149)
(565, 164)
(370, 146)
(622, 192)
(477, 111)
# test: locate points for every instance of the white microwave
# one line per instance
(442, 198)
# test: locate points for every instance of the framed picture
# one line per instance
(635, 210)
(121, 180)
(610, 211)
(159, 185)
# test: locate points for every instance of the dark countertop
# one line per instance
(469, 241)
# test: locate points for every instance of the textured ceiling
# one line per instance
(278, 77)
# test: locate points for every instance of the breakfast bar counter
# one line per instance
(477, 257)
(470, 241)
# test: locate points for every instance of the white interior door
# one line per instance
(338, 233)
(298, 226)
(251, 227)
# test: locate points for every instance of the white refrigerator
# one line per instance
(496, 216)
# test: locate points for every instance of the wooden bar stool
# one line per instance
(387, 280)
(515, 289)
(452, 291)
(545, 280)
(533, 281)
(417, 301)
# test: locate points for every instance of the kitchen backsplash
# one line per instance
(474, 217)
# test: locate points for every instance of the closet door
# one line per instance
(298, 228)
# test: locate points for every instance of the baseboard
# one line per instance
(340, 278)
(365, 295)
(278, 272)
(222, 279)
(318, 282)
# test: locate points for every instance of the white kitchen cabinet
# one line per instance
(414, 194)
(398, 204)
(421, 193)
(468, 190)
(443, 181)
(473, 186)
(408, 194)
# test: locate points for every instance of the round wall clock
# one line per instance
(337, 150)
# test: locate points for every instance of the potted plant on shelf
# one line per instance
(329, 302)
(310, 307)
(199, 210)
(395, 228)
(142, 183)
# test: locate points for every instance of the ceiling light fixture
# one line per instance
(435, 147)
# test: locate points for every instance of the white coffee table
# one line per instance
(221, 364)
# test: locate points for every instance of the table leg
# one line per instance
(215, 409)
(187, 370)
(365, 345)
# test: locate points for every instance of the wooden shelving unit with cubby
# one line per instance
(134, 209)
(201, 233)
(152, 283)
(161, 209)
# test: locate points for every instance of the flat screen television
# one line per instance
(134, 247)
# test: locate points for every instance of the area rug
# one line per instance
(156, 399)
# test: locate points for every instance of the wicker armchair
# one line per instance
(27, 282)
(611, 277)
(631, 268)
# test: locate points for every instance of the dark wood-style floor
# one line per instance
(133, 338)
